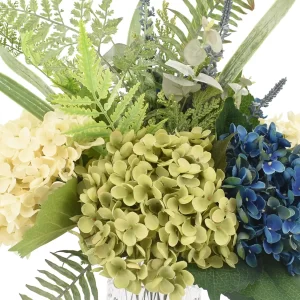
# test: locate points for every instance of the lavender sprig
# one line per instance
(211, 69)
(258, 104)
(224, 23)
(146, 12)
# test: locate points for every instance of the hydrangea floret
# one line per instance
(151, 200)
(33, 154)
(263, 173)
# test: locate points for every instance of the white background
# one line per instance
(277, 58)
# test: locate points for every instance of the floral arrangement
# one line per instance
(164, 167)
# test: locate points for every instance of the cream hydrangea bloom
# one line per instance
(290, 127)
(33, 154)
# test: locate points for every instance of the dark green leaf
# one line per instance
(219, 153)
(230, 114)
(238, 296)
(49, 285)
(224, 280)
(92, 282)
(75, 292)
(85, 288)
(61, 270)
(41, 292)
(74, 265)
(24, 97)
(53, 220)
(75, 253)
(245, 104)
(244, 108)
(275, 283)
(24, 297)
(54, 278)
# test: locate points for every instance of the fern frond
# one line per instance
(65, 281)
(152, 129)
(121, 106)
(91, 74)
(76, 105)
(88, 132)
(65, 100)
(103, 25)
(209, 8)
(205, 113)
(134, 116)
(89, 65)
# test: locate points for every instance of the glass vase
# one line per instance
(191, 293)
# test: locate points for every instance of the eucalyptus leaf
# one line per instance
(194, 54)
(180, 67)
(254, 40)
(116, 50)
(178, 87)
(53, 220)
(208, 80)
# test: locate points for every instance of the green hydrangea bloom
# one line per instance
(152, 200)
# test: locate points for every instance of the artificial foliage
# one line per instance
(162, 165)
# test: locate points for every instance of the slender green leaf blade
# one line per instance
(92, 282)
(24, 72)
(75, 292)
(49, 285)
(254, 40)
(135, 25)
(74, 265)
(85, 288)
(23, 97)
(67, 295)
(54, 278)
(24, 297)
(61, 270)
(53, 220)
(40, 292)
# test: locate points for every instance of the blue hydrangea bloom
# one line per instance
(263, 174)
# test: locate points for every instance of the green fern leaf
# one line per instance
(152, 129)
(64, 281)
(89, 131)
(124, 103)
(76, 105)
(210, 8)
(114, 94)
(104, 83)
(134, 116)
(88, 62)
(63, 99)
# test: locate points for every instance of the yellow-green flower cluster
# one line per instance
(151, 200)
